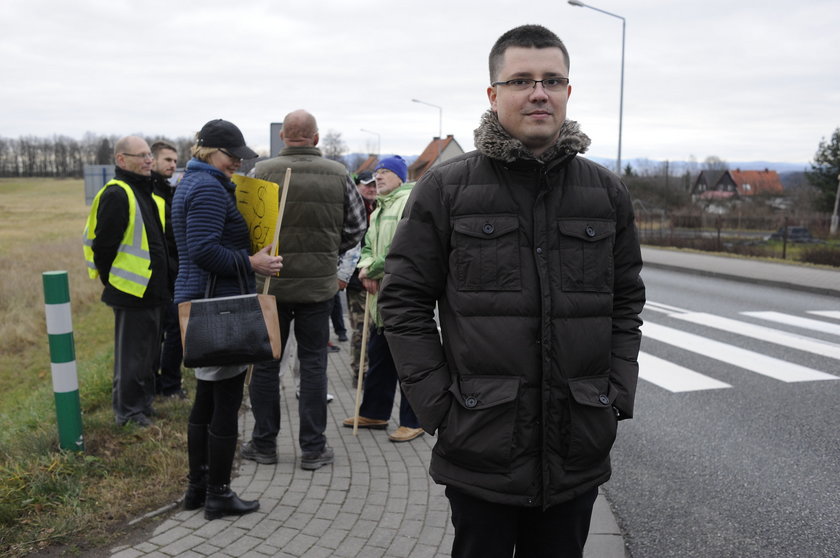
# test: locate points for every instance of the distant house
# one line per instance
(437, 151)
(368, 164)
(735, 185)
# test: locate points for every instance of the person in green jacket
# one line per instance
(381, 377)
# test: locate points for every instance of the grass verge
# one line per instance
(51, 498)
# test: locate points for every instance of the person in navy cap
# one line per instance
(213, 238)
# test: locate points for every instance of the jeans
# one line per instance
(381, 384)
(312, 331)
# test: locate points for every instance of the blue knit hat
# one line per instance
(396, 165)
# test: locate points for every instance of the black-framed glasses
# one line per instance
(139, 155)
(229, 154)
(523, 84)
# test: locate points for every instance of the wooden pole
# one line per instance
(362, 370)
(274, 243)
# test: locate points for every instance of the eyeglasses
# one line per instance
(229, 154)
(523, 84)
(148, 156)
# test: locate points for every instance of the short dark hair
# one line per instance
(159, 146)
(526, 36)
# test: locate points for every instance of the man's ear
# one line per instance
(316, 139)
(491, 95)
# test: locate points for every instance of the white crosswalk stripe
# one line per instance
(796, 321)
(750, 360)
(673, 377)
(826, 313)
(790, 340)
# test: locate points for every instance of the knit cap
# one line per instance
(395, 164)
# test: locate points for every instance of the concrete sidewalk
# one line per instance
(820, 280)
(376, 501)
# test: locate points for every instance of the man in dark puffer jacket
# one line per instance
(531, 254)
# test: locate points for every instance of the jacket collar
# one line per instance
(140, 181)
(492, 140)
(301, 150)
(196, 165)
(387, 199)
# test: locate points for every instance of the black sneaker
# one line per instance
(250, 451)
(342, 337)
(315, 460)
(332, 348)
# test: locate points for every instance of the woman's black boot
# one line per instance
(197, 439)
(221, 500)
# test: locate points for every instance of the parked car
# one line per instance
(794, 234)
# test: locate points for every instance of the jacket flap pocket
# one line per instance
(593, 391)
(486, 226)
(588, 230)
(483, 392)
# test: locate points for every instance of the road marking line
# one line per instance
(673, 377)
(749, 360)
(805, 323)
(664, 308)
(791, 340)
(826, 313)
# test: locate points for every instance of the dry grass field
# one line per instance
(41, 223)
(70, 502)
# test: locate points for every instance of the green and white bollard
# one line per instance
(68, 408)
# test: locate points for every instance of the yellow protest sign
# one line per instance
(258, 202)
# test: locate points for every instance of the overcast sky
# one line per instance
(748, 80)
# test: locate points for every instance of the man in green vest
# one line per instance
(125, 248)
(324, 217)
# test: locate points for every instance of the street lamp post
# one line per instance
(580, 4)
(440, 121)
(834, 217)
(378, 140)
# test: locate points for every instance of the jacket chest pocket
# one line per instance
(486, 253)
(586, 255)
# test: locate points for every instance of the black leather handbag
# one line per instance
(241, 329)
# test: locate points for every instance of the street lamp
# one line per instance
(580, 4)
(440, 122)
(440, 117)
(378, 140)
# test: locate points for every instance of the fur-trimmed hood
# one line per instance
(492, 140)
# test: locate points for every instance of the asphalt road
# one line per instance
(734, 448)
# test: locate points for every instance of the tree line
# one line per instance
(63, 156)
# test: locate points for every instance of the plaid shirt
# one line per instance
(355, 218)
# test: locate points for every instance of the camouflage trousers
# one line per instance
(356, 314)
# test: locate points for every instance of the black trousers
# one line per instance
(487, 530)
(168, 378)
(136, 353)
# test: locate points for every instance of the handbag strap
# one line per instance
(210, 289)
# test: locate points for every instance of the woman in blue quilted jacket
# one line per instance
(212, 238)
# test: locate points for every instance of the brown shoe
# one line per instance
(405, 434)
(374, 424)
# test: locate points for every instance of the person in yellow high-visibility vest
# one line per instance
(125, 248)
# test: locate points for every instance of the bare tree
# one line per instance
(333, 146)
(713, 162)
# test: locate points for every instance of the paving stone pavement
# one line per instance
(376, 501)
